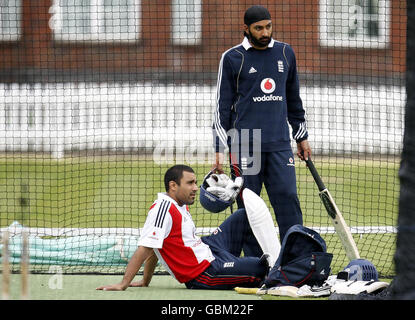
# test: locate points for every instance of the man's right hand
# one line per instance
(217, 167)
(113, 287)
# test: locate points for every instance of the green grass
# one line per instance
(86, 192)
(82, 287)
(162, 287)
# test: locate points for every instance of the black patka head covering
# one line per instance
(255, 14)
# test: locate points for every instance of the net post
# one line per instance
(24, 266)
(5, 267)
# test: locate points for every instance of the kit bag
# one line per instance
(303, 260)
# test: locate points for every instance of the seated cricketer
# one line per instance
(209, 262)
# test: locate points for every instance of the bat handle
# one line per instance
(315, 174)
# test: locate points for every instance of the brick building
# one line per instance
(97, 40)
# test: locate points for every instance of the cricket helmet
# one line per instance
(210, 201)
(362, 270)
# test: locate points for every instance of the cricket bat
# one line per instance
(336, 216)
(243, 290)
(288, 291)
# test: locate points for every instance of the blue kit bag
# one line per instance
(303, 260)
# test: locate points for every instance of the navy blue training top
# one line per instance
(259, 89)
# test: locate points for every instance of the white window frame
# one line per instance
(96, 26)
(354, 18)
(17, 32)
(186, 24)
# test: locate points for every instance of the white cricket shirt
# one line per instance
(171, 232)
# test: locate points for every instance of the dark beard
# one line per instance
(256, 42)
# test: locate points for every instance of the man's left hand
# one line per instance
(303, 150)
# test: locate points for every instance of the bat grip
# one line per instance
(315, 175)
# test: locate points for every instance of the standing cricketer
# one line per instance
(257, 97)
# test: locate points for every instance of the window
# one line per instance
(354, 23)
(91, 20)
(186, 22)
(10, 20)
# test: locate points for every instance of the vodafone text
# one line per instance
(267, 98)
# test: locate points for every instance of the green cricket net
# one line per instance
(98, 98)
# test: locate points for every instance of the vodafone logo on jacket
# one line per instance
(268, 85)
